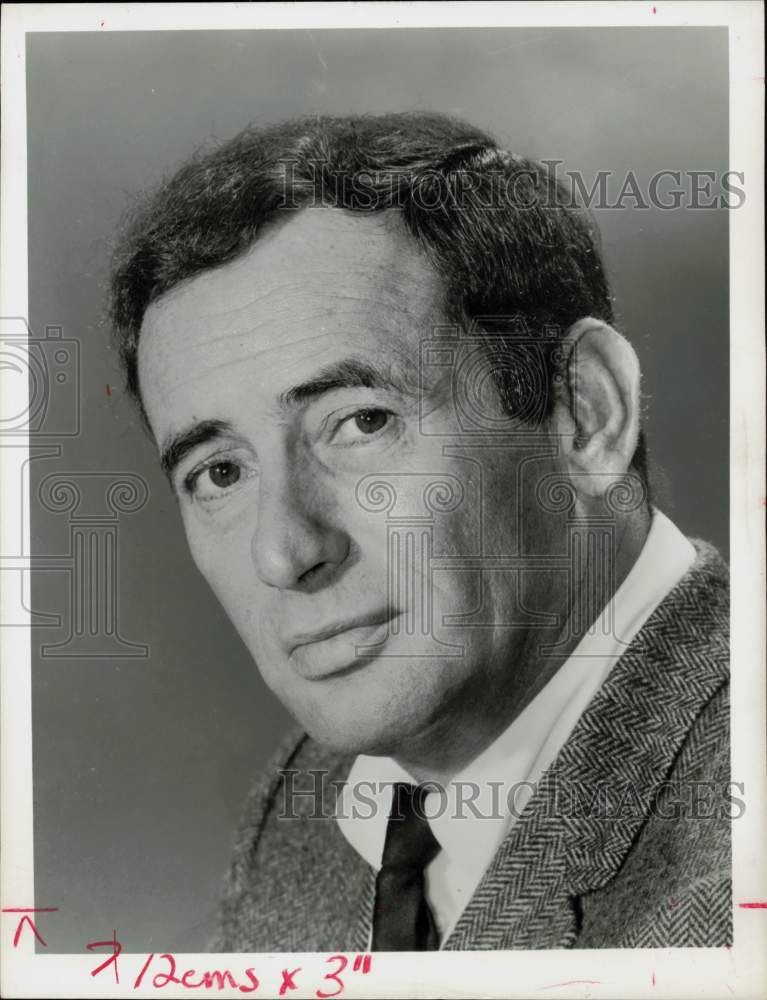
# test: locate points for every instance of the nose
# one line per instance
(294, 545)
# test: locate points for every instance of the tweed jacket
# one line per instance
(625, 843)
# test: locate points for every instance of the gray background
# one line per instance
(141, 765)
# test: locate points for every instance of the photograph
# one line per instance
(382, 440)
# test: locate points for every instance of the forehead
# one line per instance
(323, 282)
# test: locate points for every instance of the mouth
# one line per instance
(332, 649)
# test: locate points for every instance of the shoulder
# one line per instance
(297, 783)
(705, 587)
(300, 768)
(674, 886)
(681, 655)
(700, 602)
(670, 698)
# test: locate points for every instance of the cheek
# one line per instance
(226, 565)
(207, 554)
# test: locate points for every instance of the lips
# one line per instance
(332, 648)
(337, 628)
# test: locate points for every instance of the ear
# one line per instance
(597, 406)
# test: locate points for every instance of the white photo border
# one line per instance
(740, 971)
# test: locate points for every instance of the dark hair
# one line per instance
(516, 255)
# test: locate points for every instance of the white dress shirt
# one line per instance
(470, 829)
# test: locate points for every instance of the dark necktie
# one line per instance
(402, 920)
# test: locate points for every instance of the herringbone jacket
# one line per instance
(625, 843)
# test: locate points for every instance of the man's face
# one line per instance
(281, 387)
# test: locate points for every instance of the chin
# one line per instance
(377, 709)
(362, 726)
(358, 736)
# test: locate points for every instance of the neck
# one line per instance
(453, 740)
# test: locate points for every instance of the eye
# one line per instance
(370, 421)
(224, 474)
(215, 479)
(363, 424)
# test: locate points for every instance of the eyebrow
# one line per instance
(176, 447)
(349, 373)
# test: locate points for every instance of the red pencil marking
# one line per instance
(140, 976)
(342, 961)
(109, 389)
(29, 922)
(30, 909)
(653, 979)
(287, 980)
(572, 982)
(26, 919)
(753, 906)
(654, 11)
(116, 947)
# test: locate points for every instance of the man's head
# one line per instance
(279, 303)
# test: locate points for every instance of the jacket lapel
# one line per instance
(590, 805)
